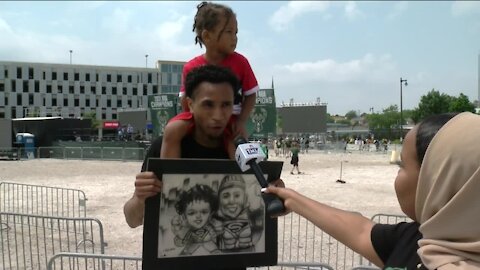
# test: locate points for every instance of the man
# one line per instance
(209, 92)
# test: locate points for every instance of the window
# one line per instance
(104, 116)
(65, 76)
(155, 89)
(44, 76)
(145, 90)
(129, 78)
(77, 76)
(87, 77)
(30, 99)
(109, 77)
(124, 90)
(104, 90)
(109, 103)
(76, 102)
(119, 78)
(129, 103)
(19, 72)
(82, 89)
(54, 101)
(30, 73)
(19, 99)
(114, 90)
(87, 102)
(25, 86)
(49, 89)
(134, 91)
(71, 89)
(119, 103)
(114, 116)
(93, 89)
(14, 86)
(37, 86)
(2, 87)
(65, 102)
(54, 75)
(44, 101)
(149, 77)
(6, 73)
(6, 100)
(60, 89)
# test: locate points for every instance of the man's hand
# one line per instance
(146, 185)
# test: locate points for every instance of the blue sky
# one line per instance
(351, 55)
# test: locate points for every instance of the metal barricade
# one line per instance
(381, 219)
(28, 241)
(300, 241)
(389, 218)
(42, 200)
(51, 152)
(78, 261)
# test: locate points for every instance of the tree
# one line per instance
(351, 114)
(384, 124)
(461, 104)
(435, 103)
(95, 123)
(330, 118)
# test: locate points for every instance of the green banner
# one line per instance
(263, 119)
(162, 108)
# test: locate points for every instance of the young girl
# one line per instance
(192, 227)
(437, 186)
(215, 26)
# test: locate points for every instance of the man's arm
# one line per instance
(146, 185)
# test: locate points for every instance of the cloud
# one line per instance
(284, 16)
(352, 12)
(461, 8)
(118, 22)
(345, 85)
(367, 68)
(398, 9)
(4, 26)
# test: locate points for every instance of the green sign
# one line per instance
(162, 108)
(263, 119)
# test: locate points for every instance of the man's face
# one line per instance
(211, 106)
(232, 201)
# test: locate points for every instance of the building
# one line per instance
(72, 91)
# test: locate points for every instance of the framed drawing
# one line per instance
(209, 215)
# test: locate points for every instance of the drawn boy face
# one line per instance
(197, 214)
(232, 201)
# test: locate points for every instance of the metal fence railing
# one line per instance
(299, 240)
(28, 241)
(79, 261)
(42, 200)
(92, 153)
(381, 219)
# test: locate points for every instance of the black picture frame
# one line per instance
(160, 243)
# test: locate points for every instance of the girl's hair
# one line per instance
(427, 130)
(207, 18)
(196, 193)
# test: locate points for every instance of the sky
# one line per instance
(351, 55)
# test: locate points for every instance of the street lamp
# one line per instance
(402, 82)
(71, 56)
(146, 60)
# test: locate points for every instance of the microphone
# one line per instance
(248, 155)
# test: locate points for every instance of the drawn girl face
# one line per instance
(197, 214)
(232, 201)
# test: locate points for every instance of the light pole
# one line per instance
(71, 56)
(402, 81)
(146, 60)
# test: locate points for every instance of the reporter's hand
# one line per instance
(146, 185)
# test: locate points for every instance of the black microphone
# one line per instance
(247, 155)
